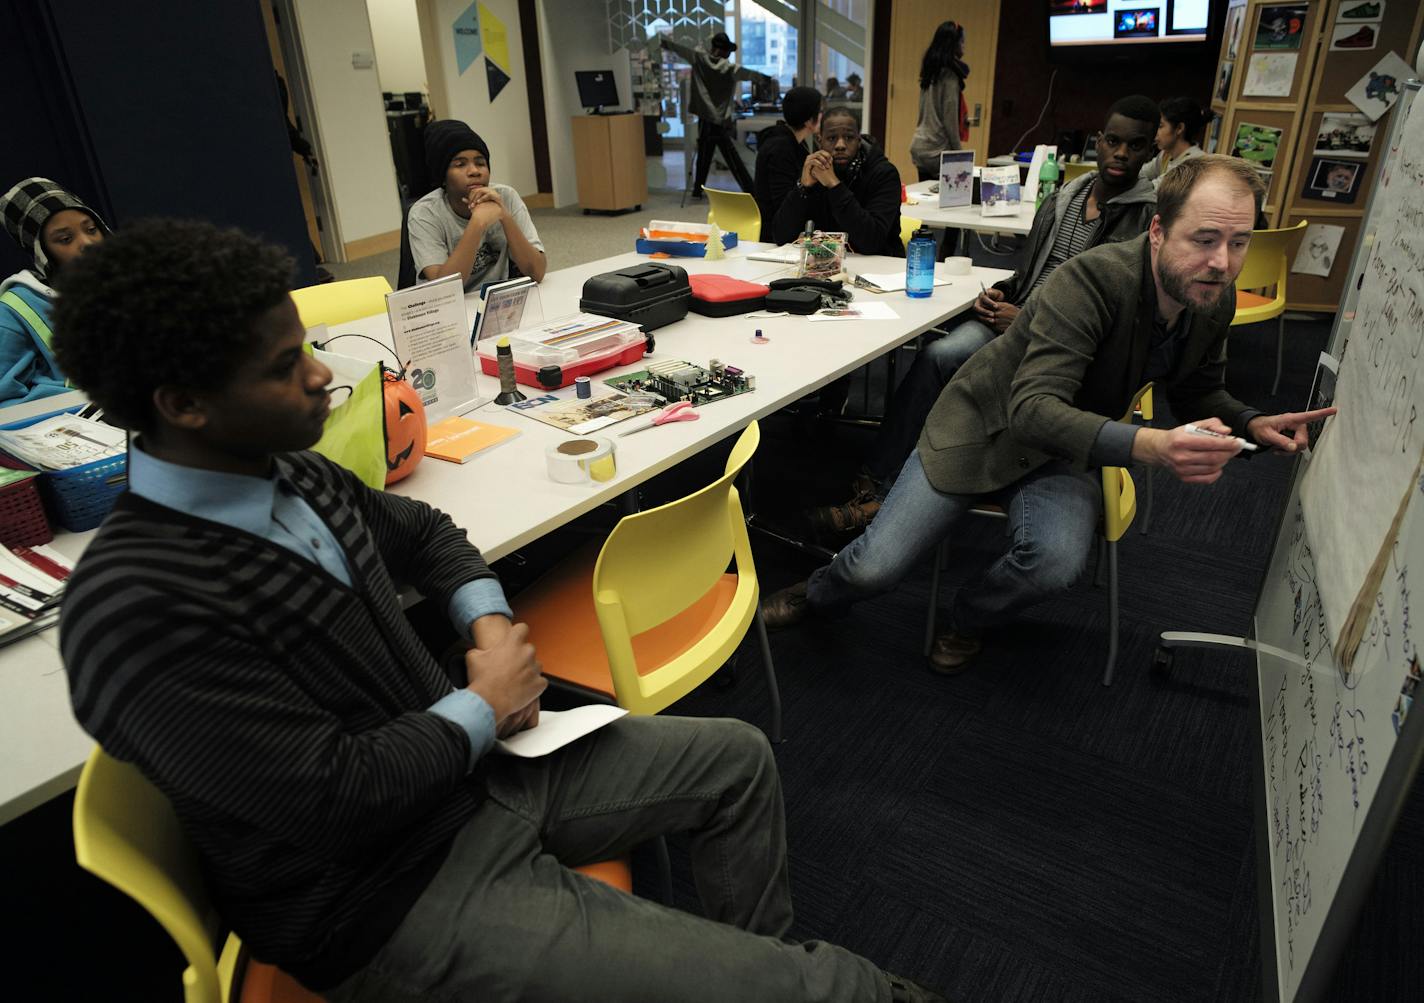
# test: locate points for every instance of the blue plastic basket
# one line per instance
(78, 498)
(681, 248)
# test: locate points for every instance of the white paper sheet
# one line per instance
(432, 334)
(557, 728)
(1365, 461)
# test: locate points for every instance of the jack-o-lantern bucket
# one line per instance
(405, 428)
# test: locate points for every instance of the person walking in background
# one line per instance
(944, 119)
(1182, 123)
(714, 93)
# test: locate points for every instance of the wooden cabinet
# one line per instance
(611, 165)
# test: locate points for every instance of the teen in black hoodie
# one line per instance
(782, 150)
(847, 185)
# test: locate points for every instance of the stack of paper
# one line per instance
(31, 587)
(64, 441)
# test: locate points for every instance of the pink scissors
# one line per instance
(681, 411)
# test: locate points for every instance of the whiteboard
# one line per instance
(1340, 749)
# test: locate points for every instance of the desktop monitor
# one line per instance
(596, 89)
(1116, 23)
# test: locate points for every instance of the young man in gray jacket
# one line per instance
(1030, 419)
(1108, 205)
(713, 98)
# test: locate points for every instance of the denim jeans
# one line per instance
(935, 365)
(1053, 516)
(505, 919)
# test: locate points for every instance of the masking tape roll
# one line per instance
(579, 461)
(958, 266)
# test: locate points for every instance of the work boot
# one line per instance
(905, 991)
(785, 608)
(953, 653)
(840, 519)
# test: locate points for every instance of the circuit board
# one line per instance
(672, 380)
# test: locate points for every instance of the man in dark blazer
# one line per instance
(1030, 418)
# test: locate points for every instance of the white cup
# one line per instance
(958, 266)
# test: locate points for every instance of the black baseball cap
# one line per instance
(723, 42)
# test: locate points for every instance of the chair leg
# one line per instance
(1280, 349)
(775, 733)
(1103, 546)
(1145, 515)
(934, 597)
(664, 869)
(1112, 613)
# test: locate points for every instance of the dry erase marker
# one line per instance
(1219, 435)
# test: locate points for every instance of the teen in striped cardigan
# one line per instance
(234, 630)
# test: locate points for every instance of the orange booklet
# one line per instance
(457, 439)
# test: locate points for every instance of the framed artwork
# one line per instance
(1258, 144)
(1331, 180)
(1344, 135)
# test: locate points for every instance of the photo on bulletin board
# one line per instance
(1353, 37)
(1258, 144)
(1213, 134)
(1376, 92)
(1223, 81)
(1317, 251)
(1356, 11)
(1269, 74)
(1333, 180)
(1281, 27)
(1344, 135)
(1235, 18)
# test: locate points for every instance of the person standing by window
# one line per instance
(944, 119)
(714, 94)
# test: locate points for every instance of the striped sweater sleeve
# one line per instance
(210, 715)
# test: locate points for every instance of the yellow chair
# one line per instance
(908, 226)
(652, 614)
(1267, 264)
(1073, 170)
(1119, 508)
(126, 833)
(734, 212)
(338, 302)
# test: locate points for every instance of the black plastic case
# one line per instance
(650, 295)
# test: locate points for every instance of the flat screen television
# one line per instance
(597, 89)
(1127, 22)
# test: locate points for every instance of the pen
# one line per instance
(1218, 435)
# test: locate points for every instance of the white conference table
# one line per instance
(503, 496)
(961, 217)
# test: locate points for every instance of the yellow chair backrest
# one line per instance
(339, 302)
(126, 833)
(908, 226)
(657, 563)
(1072, 170)
(734, 212)
(1266, 259)
(1119, 502)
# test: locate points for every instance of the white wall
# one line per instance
(354, 146)
(503, 124)
(399, 60)
(573, 35)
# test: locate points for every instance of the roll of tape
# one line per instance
(958, 266)
(579, 461)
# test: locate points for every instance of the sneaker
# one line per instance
(785, 608)
(1362, 39)
(905, 991)
(1360, 12)
(840, 519)
(953, 653)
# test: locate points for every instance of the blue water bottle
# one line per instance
(919, 263)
